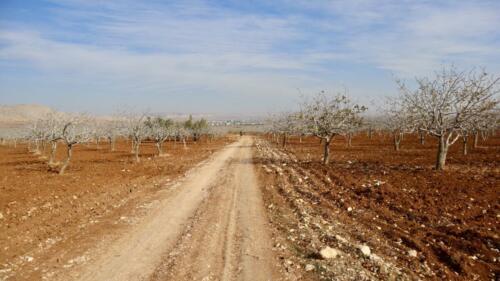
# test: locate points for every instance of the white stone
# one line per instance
(365, 250)
(349, 209)
(341, 239)
(309, 267)
(329, 253)
(412, 253)
(28, 258)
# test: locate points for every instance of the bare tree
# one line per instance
(274, 128)
(48, 130)
(398, 121)
(374, 124)
(160, 130)
(350, 131)
(13, 135)
(137, 130)
(110, 131)
(487, 122)
(98, 131)
(445, 105)
(284, 124)
(299, 127)
(181, 133)
(52, 126)
(75, 130)
(36, 135)
(329, 116)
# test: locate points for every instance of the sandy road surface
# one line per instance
(212, 228)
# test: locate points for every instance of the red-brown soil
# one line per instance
(47, 218)
(394, 202)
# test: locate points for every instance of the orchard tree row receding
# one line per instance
(448, 106)
(60, 128)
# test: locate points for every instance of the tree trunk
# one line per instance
(484, 135)
(68, 158)
(53, 149)
(111, 143)
(397, 141)
(349, 140)
(284, 140)
(476, 139)
(370, 133)
(43, 147)
(159, 148)
(137, 146)
(37, 148)
(422, 138)
(465, 139)
(184, 143)
(442, 151)
(300, 138)
(326, 151)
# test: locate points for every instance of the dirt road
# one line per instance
(212, 227)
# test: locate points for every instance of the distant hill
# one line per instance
(22, 113)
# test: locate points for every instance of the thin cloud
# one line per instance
(267, 49)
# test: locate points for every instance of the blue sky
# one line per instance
(247, 57)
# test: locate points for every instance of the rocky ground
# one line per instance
(377, 214)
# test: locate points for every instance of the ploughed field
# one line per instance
(417, 222)
(47, 220)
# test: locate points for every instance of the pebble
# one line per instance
(412, 253)
(341, 239)
(28, 258)
(365, 250)
(329, 253)
(309, 267)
